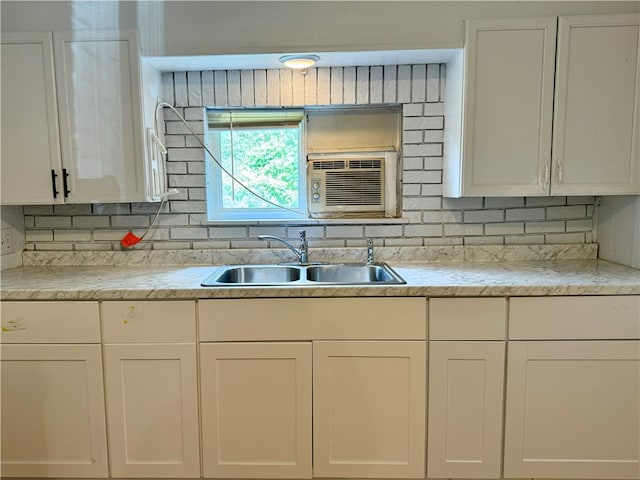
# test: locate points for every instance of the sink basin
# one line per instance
(327, 274)
(253, 275)
(353, 274)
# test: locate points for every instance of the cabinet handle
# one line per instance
(65, 176)
(545, 183)
(559, 165)
(54, 175)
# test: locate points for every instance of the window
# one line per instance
(317, 162)
(263, 150)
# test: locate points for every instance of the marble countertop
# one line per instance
(463, 278)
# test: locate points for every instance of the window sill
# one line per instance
(312, 221)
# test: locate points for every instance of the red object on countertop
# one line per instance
(129, 240)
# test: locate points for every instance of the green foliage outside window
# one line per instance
(267, 161)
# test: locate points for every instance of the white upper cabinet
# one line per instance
(508, 136)
(597, 105)
(97, 153)
(30, 137)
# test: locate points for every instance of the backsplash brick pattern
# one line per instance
(430, 219)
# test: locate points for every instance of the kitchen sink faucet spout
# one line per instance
(302, 253)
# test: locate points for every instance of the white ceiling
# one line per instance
(327, 59)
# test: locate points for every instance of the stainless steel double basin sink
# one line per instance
(312, 274)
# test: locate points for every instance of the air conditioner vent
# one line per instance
(329, 165)
(347, 188)
(352, 182)
(373, 163)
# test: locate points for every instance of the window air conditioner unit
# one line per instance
(349, 184)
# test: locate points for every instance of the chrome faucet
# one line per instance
(302, 253)
(369, 251)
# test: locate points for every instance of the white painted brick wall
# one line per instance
(428, 219)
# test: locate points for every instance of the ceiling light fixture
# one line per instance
(299, 62)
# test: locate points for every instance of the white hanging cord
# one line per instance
(171, 107)
(233, 173)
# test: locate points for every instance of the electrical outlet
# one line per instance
(6, 239)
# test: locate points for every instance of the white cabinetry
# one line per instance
(30, 136)
(466, 387)
(369, 409)
(53, 416)
(98, 151)
(368, 394)
(500, 138)
(573, 405)
(256, 410)
(151, 384)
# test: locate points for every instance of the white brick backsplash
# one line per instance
(53, 222)
(525, 214)
(344, 232)
(440, 216)
(565, 238)
(503, 202)
(421, 203)
(413, 109)
(434, 109)
(188, 207)
(423, 150)
(512, 228)
(542, 227)
(452, 229)
(423, 230)
(484, 240)
(93, 221)
(228, 232)
(483, 216)
(430, 218)
(61, 235)
(72, 210)
(422, 176)
(524, 239)
(186, 233)
(416, 136)
(39, 235)
(129, 221)
(574, 211)
(582, 225)
(383, 231)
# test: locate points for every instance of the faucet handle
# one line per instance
(369, 251)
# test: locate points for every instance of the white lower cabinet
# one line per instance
(466, 387)
(367, 395)
(151, 389)
(53, 416)
(256, 410)
(573, 406)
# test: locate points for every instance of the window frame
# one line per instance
(214, 175)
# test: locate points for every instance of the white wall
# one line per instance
(619, 230)
(215, 27)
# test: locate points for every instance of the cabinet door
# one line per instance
(369, 409)
(53, 420)
(100, 115)
(256, 410)
(30, 137)
(152, 405)
(597, 106)
(573, 410)
(466, 388)
(508, 105)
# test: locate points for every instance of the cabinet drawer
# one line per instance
(467, 318)
(50, 322)
(574, 318)
(152, 321)
(313, 319)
